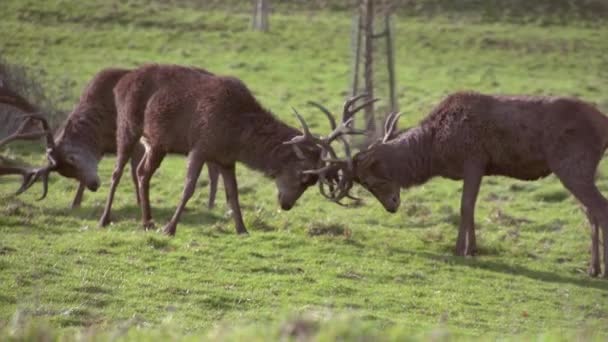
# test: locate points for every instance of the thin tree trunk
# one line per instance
(390, 62)
(356, 40)
(370, 123)
(261, 9)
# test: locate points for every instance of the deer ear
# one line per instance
(298, 152)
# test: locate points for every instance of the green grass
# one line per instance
(345, 272)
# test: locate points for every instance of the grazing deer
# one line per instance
(470, 135)
(210, 118)
(89, 132)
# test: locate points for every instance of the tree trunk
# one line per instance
(261, 10)
(390, 59)
(368, 14)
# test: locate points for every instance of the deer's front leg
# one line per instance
(467, 244)
(195, 165)
(232, 196)
(78, 197)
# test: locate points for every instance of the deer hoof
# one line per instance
(149, 225)
(105, 220)
(169, 230)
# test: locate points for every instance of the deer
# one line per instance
(213, 119)
(89, 133)
(25, 131)
(470, 135)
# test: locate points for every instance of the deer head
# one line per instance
(373, 172)
(334, 173)
(370, 169)
(76, 160)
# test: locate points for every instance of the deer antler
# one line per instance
(339, 170)
(390, 124)
(30, 176)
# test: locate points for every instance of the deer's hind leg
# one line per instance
(578, 176)
(148, 165)
(214, 174)
(136, 158)
(594, 267)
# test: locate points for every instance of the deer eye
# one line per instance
(306, 179)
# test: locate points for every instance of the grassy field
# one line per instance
(318, 270)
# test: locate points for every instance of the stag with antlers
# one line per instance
(24, 131)
(471, 135)
(210, 118)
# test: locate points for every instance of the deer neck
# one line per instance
(261, 145)
(89, 129)
(411, 153)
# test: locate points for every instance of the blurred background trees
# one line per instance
(261, 12)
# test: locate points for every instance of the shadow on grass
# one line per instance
(161, 215)
(500, 267)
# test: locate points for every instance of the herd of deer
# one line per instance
(145, 113)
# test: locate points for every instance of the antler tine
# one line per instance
(390, 125)
(17, 170)
(18, 134)
(387, 122)
(50, 141)
(41, 173)
(306, 135)
(332, 120)
(345, 126)
(361, 106)
(349, 102)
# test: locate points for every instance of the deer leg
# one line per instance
(232, 197)
(596, 205)
(214, 173)
(195, 165)
(121, 161)
(466, 244)
(126, 140)
(136, 158)
(148, 165)
(78, 197)
(594, 266)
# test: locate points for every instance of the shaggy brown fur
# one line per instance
(212, 119)
(469, 135)
(77, 153)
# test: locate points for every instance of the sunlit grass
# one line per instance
(392, 275)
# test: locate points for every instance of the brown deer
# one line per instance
(27, 131)
(28, 174)
(210, 118)
(470, 135)
(89, 133)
